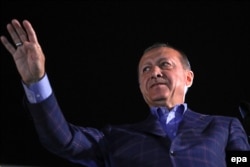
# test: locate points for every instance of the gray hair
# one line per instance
(184, 59)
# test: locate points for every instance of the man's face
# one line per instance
(163, 79)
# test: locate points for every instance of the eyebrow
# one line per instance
(149, 63)
(160, 59)
(163, 58)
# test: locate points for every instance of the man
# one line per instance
(172, 135)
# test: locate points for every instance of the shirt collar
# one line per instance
(181, 108)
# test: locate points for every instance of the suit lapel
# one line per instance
(190, 130)
(151, 126)
(194, 121)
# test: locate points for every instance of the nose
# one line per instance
(156, 73)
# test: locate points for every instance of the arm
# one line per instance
(237, 137)
(77, 144)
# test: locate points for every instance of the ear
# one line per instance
(189, 78)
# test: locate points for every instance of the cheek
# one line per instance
(180, 82)
(142, 83)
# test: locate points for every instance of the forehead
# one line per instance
(159, 53)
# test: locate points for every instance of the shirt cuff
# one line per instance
(39, 91)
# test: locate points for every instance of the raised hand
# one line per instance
(27, 53)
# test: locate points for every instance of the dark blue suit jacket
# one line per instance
(201, 140)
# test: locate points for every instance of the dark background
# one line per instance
(92, 50)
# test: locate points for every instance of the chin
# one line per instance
(158, 102)
(159, 99)
(158, 96)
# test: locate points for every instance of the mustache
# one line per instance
(157, 81)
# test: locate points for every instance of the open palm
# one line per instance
(28, 55)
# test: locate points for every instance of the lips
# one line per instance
(155, 84)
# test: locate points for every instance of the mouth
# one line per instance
(157, 84)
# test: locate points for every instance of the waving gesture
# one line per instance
(27, 53)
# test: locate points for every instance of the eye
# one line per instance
(165, 64)
(145, 69)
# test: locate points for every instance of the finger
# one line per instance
(30, 31)
(19, 30)
(13, 33)
(8, 45)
